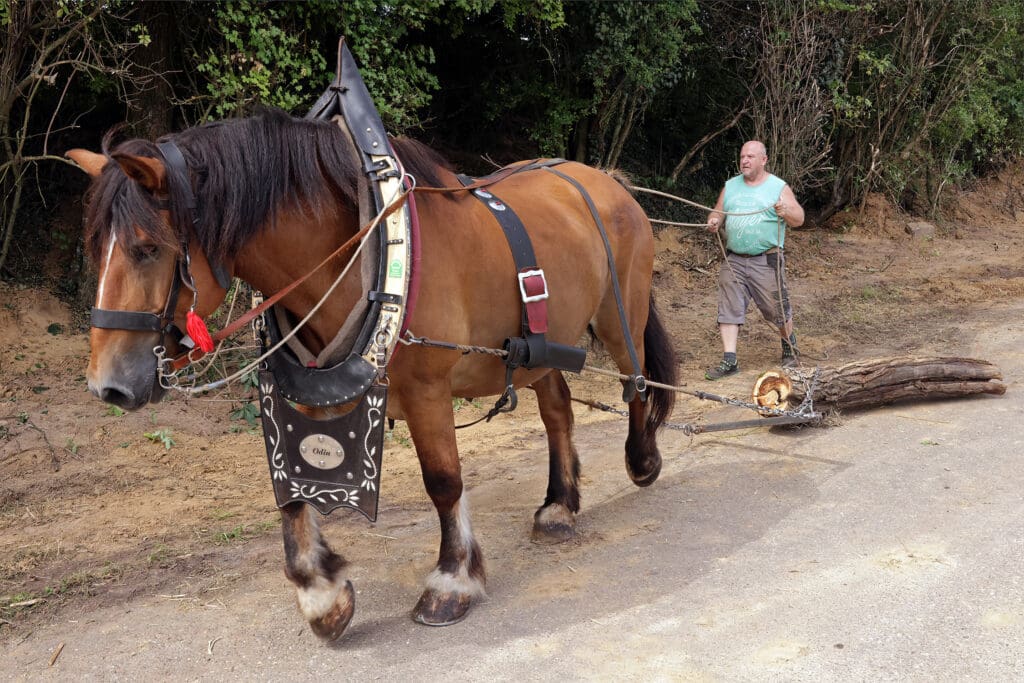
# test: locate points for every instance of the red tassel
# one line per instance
(196, 329)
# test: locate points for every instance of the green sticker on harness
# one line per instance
(395, 269)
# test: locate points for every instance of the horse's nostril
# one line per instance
(117, 397)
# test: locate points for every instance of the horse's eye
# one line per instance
(145, 253)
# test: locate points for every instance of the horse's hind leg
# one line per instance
(555, 521)
(658, 362)
(459, 575)
(326, 600)
(643, 460)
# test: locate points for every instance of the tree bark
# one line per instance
(878, 381)
(154, 96)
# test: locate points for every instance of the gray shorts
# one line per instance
(755, 278)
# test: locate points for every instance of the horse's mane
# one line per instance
(246, 171)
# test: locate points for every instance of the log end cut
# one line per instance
(772, 390)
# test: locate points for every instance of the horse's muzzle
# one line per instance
(125, 397)
(126, 384)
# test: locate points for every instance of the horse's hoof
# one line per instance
(441, 609)
(651, 471)
(553, 524)
(331, 625)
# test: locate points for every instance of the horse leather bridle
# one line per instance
(145, 321)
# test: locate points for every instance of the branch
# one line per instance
(18, 161)
(39, 67)
(703, 142)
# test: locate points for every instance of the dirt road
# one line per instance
(884, 547)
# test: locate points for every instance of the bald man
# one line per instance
(754, 269)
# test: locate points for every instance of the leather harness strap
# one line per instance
(532, 349)
(533, 288)
(638, 384)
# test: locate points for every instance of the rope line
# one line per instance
(721, 246)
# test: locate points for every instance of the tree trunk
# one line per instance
(154, 96)
(878, 381)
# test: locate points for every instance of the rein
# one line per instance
(185, 359)
(721, 245)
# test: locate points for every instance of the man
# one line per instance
(754, 268)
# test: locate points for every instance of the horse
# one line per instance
(273, 195)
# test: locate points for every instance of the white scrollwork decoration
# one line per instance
(373, 418)
(315, 492)
(276, 455)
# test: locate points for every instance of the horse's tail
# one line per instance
(621, 177)
(660, 359)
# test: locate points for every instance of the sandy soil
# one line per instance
(94, 512)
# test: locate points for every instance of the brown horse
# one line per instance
(275, 195)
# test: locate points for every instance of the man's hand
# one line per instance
(714, 221)
(780, 209)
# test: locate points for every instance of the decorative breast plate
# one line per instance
(325, 463)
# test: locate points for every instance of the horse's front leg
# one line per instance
(325, 598)
(459, 575)
(555, 521)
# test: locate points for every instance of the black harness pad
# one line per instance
(325, 463)
(318, 387)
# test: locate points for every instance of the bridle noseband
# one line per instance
(145, 321)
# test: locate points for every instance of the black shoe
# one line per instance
(723, 369)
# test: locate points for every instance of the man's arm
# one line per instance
(715, 220)
(789, 209)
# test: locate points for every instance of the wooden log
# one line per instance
(879, 381)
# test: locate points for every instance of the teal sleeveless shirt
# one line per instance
(760, 232)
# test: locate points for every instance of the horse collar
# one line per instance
(349, 366)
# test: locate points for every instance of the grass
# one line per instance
(158, 555)
(83, 582)
(244, 532)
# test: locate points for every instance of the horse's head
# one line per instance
(150, 265)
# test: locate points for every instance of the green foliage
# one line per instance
(250, 380)
(161, 436)
(395, 67)
(244, 532)
(247, 411)
(915, 96)
(263, 58)
(616, 58)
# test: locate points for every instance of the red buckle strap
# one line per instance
(533, 289)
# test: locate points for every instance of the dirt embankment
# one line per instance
(96, 505)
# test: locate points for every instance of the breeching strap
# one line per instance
(638, 383)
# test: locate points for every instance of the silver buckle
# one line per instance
(522, 287)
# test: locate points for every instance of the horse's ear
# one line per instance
(146, 171)
(90, 162)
